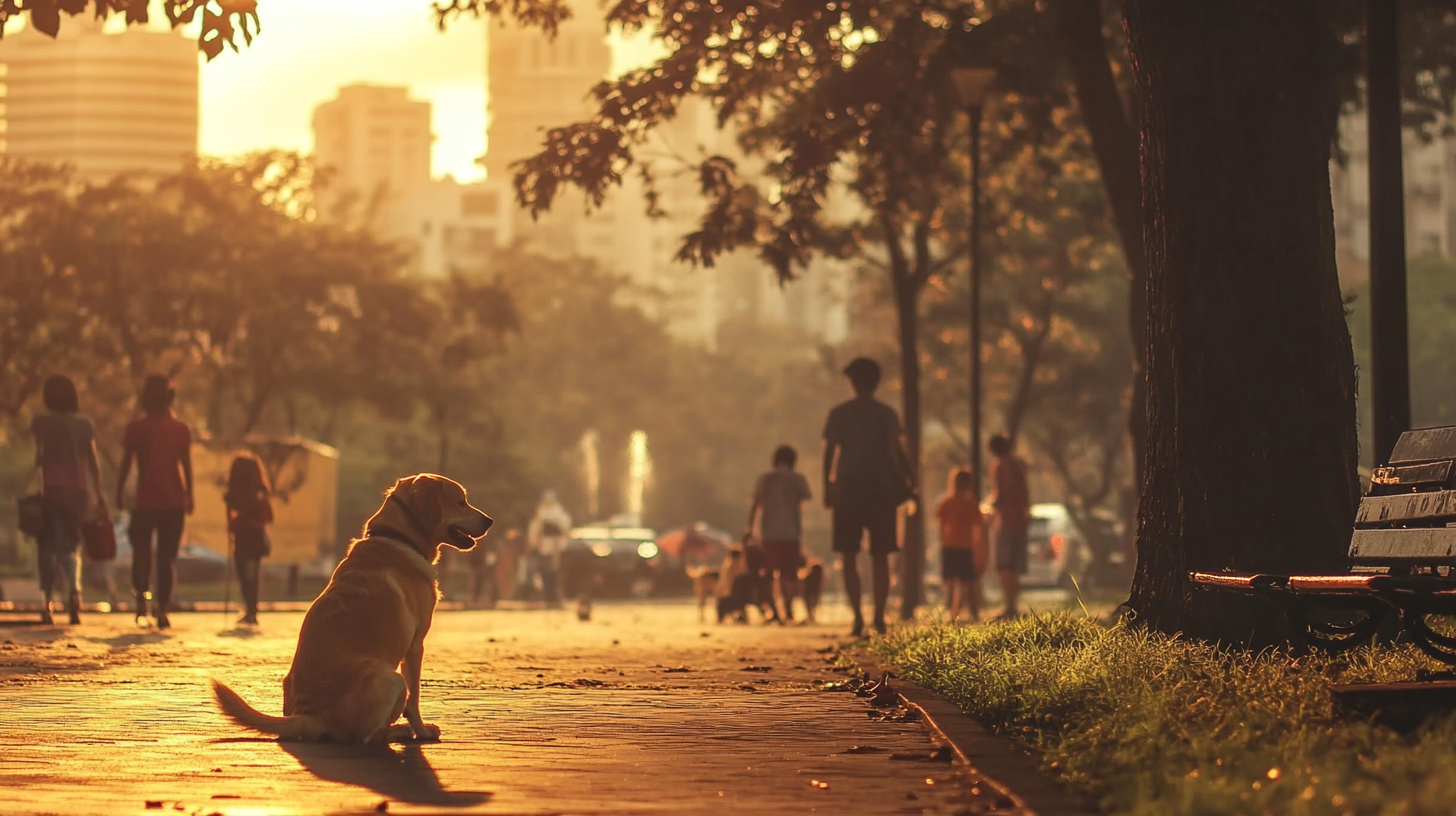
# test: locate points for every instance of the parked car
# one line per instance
(607, 561)
(1056, 550)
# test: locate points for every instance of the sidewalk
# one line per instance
(642, 710)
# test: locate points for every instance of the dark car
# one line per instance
(610, 562)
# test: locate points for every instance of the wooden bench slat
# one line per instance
(1412, 475)
(1434, 546)
(1404, 507)
(1333, 583)
(1236, 580)
(1424, 445)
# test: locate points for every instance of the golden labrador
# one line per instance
(345, 684)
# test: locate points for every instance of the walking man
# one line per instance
(778, 506)
(1011, 499)
(866, 477)
(161, 446)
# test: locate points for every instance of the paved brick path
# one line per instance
(642, 710)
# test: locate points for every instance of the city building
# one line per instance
(536, 84)
(105, 103)
(372, 142)
(372, 146)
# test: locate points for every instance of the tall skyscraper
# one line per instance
(373, 141)
(538, 83)
(105, 103)
(373, 144)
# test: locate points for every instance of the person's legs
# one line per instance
(881, 523)
(140, 533)
(69, 564)
(849, 565)
(45, 556)
(955, 595)
(169, 540)
(248, 568)
(880, 568)
(847, 528)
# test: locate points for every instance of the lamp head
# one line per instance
(973, 83)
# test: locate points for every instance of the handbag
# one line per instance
(99, 538)
(32, 516)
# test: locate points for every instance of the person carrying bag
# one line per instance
(70, 478)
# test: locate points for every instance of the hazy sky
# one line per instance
(265, 95)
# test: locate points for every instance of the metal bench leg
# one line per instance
(1436, 645)
(1335, 637)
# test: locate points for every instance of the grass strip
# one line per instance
(1152, 724)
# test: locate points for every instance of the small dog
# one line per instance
(734, 605)
(345, 684)
(705, 581)
(811, 579)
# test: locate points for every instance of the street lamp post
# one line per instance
(973, 84)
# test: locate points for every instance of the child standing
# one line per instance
(249, 514)
(962, 552)
(777, 505)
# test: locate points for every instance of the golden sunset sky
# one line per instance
(264, 95)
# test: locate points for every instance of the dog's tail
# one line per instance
(296, 727)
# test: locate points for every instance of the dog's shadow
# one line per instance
(402, 775)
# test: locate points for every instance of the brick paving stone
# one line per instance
(642, 710)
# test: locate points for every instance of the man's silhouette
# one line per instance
(866, 477)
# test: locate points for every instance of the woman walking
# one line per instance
(161, 446)
(70, 476)
(249, 513)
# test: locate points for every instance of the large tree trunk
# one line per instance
(1079, 28)
(1251, 385)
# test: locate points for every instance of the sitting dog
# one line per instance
(811, 579)
(345, 685)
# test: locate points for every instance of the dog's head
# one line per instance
(435, 507)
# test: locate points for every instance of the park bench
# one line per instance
(1402, 558)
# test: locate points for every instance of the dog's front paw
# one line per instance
(427, 732)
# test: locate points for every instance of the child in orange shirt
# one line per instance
(962, 551)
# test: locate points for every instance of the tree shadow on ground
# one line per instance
(402, 775)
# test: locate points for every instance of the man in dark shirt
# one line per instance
(866, 477)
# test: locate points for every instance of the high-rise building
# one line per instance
(105, 103)
(373, 142)
(536, 84)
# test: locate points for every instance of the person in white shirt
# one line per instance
(547, 535)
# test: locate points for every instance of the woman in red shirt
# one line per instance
(249, 513)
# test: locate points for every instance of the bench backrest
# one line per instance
(1402, 521)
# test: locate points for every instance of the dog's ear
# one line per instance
(427, 496)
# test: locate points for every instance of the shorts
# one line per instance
(958, 565)
(783, 557)
(852, 519)
(1009, 547)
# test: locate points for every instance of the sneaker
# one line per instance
(162, 622)
(46, 618)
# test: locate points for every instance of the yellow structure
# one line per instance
(305, 479)
(105, 103)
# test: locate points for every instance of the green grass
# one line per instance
(1150, 724)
